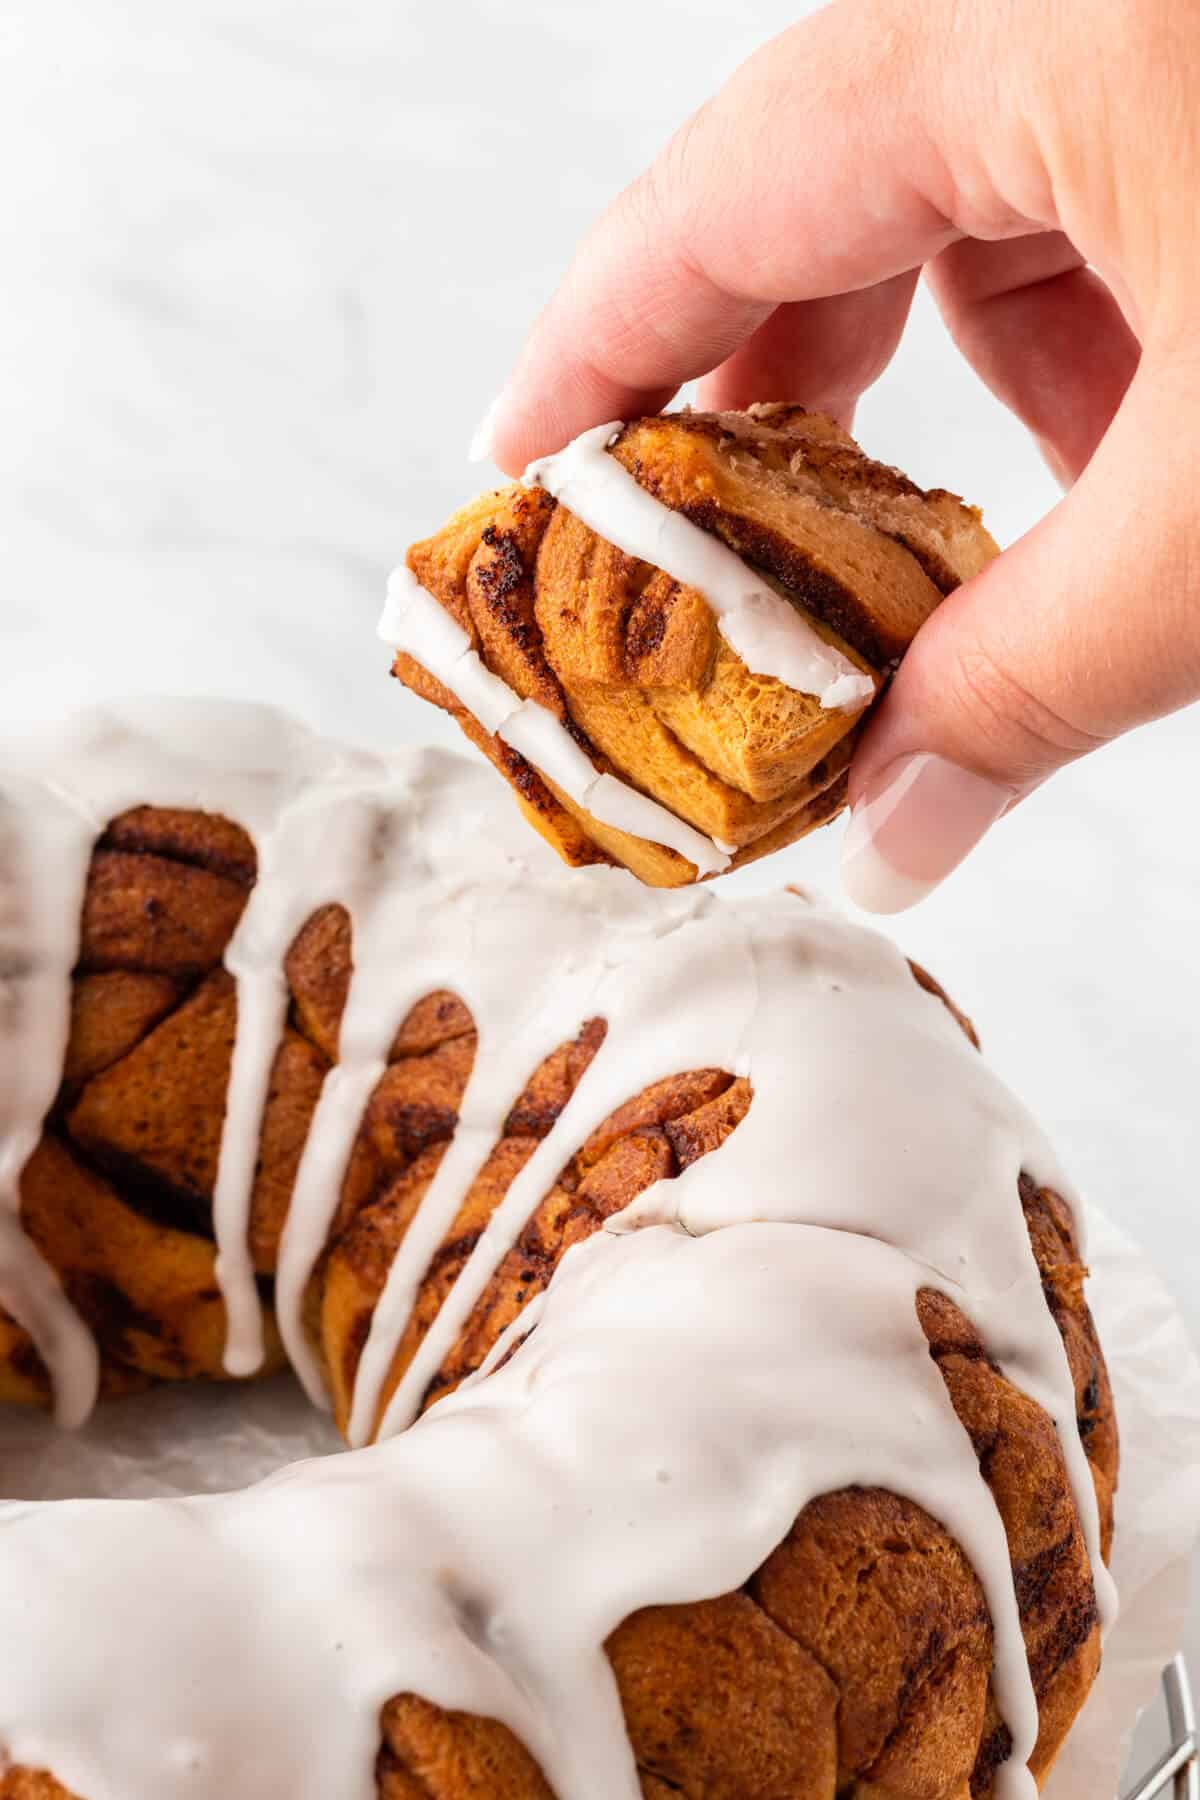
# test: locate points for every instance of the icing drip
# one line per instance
(38, 943)
(760, 626)
(414, 622)
(879, 1156)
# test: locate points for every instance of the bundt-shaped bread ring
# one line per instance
(633, 663)
(857, 1661)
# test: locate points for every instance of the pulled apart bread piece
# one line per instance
(632, 664)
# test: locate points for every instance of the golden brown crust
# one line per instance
(945, 536)
(731, 476)
(632, 664)
(33, 1784)
(856, 1662)
(110, 1013)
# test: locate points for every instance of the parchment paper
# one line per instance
(173, 1441)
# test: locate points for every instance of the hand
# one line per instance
(1039, 161)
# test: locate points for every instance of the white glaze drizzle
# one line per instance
(413, 621)
(769, 635)
(336, 1584)
(37, 951)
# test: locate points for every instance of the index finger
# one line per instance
(813, 173)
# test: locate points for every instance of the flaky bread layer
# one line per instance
(632, 663)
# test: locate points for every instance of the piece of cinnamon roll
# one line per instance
(667, 638)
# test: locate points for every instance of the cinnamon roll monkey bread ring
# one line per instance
(761, 1443)
(667, 637)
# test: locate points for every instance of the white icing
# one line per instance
(770, 636)
(742, 1340)
(38, 942)
(414, 622)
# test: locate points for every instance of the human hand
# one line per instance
(1039, 161)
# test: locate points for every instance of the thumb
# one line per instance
(1088, 626)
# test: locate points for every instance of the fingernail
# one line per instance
(913, 827)
(481, 443)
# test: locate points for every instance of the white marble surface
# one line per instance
(264, 263)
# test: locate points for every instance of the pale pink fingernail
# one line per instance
(912, 827)
(481, 443)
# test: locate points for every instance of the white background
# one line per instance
(263, 264)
